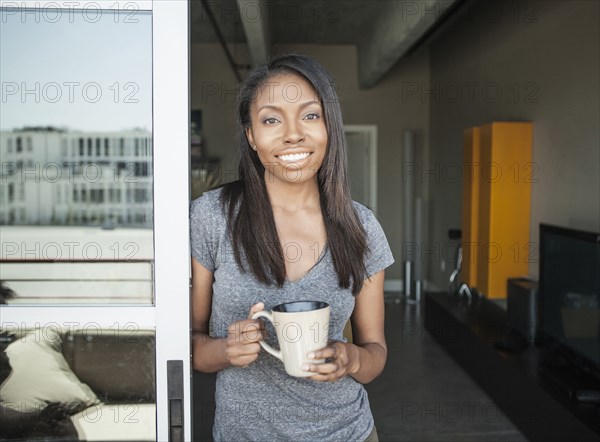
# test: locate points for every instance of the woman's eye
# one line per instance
(312, 116)
(270, 120)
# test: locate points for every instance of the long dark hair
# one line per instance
(250, 217)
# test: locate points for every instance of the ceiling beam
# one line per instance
(255, 20)
(398, 27)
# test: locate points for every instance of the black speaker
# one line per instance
(521, 308)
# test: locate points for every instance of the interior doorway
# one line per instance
(362, 159)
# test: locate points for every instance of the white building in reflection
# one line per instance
(54, 177)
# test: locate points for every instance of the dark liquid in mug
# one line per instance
(300, 306)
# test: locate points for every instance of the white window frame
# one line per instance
(170, 316)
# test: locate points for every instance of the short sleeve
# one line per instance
(203, 231)
(379, 255)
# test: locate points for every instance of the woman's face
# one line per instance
(288, 129)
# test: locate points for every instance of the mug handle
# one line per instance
(263, 344)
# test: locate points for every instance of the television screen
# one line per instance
(570, 290)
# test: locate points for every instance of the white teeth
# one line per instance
(294, 157)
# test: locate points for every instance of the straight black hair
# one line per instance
(251, 223)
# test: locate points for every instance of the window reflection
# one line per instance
(49, 179)
(67, 382)
(76, 212)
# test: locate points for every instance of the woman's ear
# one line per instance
(250, 137)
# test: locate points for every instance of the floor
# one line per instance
(422, 395)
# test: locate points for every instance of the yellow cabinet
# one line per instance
(496, 205)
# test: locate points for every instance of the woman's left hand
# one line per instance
(341, 359)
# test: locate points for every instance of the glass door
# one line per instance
(94, 250)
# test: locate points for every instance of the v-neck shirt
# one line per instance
(262, 402)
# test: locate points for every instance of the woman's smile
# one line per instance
(293, 157)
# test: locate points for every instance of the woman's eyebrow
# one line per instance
(302, 105)
(308, 103)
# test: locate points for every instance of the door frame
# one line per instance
(371, 131)
(171, 115)
(170, 314)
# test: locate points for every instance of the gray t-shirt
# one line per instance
(262, 402)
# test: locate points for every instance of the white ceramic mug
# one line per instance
(302, 327)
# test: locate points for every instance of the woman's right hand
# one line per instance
(241, 345)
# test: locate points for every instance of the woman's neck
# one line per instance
(292, 197)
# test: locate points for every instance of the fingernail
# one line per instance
(311, 355)
(305, 367)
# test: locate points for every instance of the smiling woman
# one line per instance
(288, 231)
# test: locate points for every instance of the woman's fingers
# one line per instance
(256, 308)
(335, 365)
(325, 368)
(243, 350)
(242, 360)
(327, 352)
(328, 373)
(243, 337)
(246, 331)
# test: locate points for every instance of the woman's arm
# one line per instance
(239, 348)
(364, 360)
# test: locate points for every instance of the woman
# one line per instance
(287, 231)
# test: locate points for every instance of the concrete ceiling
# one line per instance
(382, 30)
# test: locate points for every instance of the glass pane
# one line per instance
(77, 383)
(76, 200)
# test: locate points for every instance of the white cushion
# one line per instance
(40, 374)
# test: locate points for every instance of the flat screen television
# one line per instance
(569, 293)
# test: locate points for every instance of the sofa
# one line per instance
(77, 384)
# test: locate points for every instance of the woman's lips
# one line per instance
(294, 160)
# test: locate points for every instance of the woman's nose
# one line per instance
(294, 134)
